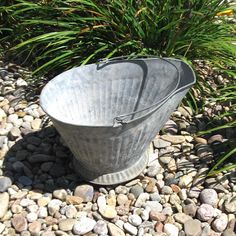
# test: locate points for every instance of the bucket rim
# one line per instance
(115, 125)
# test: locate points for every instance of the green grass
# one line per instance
(55, 35)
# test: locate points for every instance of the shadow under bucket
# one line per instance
(108, 113)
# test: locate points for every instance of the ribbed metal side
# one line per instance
(83, 102)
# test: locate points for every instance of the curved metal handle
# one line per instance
(123, 119)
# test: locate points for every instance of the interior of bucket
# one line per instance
(93, 95)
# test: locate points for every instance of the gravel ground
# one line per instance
(41, 195)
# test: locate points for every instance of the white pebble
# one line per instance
(135, 220)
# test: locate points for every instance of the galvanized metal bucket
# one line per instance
(109, 112)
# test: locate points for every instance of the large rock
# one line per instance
(19, 222)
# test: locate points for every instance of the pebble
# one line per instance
(60, 194)
(220, 223)
(70, 211)
(32, 216)
(26, 181)
(53, 206)
(228, 232)
(142, 198)
(14, 133)
(166, 190)
(230, 205)
(192, 228)
(174, 139)
(114, 230)
(73, 200)
(35, 227)
(181, 217)
(130, 228)
(185, 181)
(157, 216)
(122, 199)
(5, 183)
(205, 212)
(171, 230)
(2, 227)
(156, 206)
(42, 212)
(84, 225)
(4, 200)
(108, 212)
(66, 224)
(19, 223)
(136, 190)
(85, 192)
(159, 143)
(135, 220)
(190, 209)
(209, 196)
(36, 124)
(100, 228)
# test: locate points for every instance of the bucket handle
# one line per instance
(123, 119)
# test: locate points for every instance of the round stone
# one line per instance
(66, 224)
(19, 223)
(130, 228)
(135, 220)
(5, 183)
(122, 199)
(166, 190)
(32, 216)
(35, 227)
(209, 196)
(108, 212)
(220, 223)
(205, 212)
(43, 212)
(53, 206)
(60, 194)
(85, 192)
(100, 228)
(70, 211)
(26, 181)
(84, 225)
(157, 216)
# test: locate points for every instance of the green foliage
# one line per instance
(54, 35)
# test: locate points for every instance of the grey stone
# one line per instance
(100, 228)
(205, 212)
(26, 181)
(5, 183)
(41, 158)
(60, 194)
(209, 196)
(166, 190)
(190, 209)
(170, 127)
(136, 190)
(54, 205)
(192, 228)
(220, 223)
(85, 191)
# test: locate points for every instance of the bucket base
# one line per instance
(116, 177)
